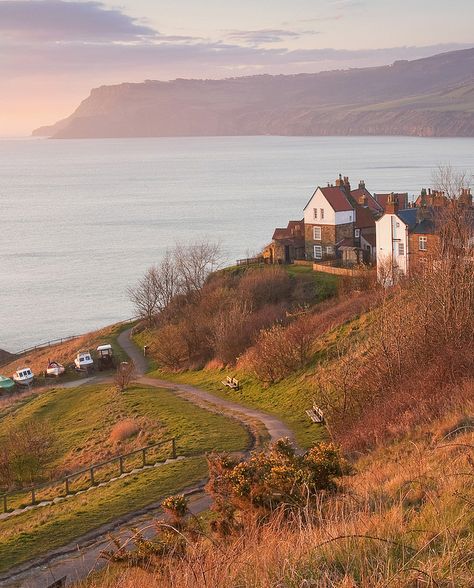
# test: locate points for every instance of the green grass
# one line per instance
(288, 399)
(82, 419)
(36, 532)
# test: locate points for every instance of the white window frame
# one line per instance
(422, 243)
(321, 213)
(319, 232)
(401, 249)
(330, 250)
(318, 252)
(357, 233)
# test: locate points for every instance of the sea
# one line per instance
(81, 220)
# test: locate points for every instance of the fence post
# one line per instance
(92, 477)
(67, 486)
(33, 497)
(173, 448)
(121, 465)
(144, 456)
(5, 503)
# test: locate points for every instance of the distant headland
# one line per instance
(430, 97)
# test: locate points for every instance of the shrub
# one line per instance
(124, 430)
(25, 453)
(268, 286)
(270, 479)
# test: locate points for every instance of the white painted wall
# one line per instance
(390, 232)
(330, 217)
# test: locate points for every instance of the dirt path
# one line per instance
(274, 426)
(77, 559)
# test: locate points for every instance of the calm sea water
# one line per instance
(81, 220)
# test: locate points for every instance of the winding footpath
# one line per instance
(76, 560)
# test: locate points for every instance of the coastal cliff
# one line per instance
(426, 97)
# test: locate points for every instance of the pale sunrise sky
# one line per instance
(52, 52)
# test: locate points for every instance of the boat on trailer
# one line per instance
(23, 376)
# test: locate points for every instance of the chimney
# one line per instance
(362, 200)
(347, 184)
(466, 197)
(392, 204)
(361, 185)
(339, 181)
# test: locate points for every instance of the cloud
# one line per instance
(57, 20)
(266, 36)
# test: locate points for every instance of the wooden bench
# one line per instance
(316, 414)
(231, 383)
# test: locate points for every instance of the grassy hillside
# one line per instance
(83, 421)
(404, 519)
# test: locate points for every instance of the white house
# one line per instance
(393, 243)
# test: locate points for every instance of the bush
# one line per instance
(25, 453)
(278, 477)
(124, 430)
(259, 287)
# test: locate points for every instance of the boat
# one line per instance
(55, 369)
(83, 361)
(6, 383)
(23, 376)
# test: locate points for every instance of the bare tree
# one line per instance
(194, 263)
(145, 296)
(451, 182)
(124, 375)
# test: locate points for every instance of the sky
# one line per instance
(53, 52)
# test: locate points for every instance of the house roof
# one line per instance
(425, 227)
(370, 239)
(336, 198)
(372, 203)
(289, 231)
(408, 216)
(364, 217)
(383, 198)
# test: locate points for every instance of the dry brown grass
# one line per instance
(124, 430)
(63, 353)
(404, 520)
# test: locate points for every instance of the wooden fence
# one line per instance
(341, 271)
(87, 476)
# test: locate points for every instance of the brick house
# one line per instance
(401, 197)
(336, 220)
(287, 244)
(408, 238)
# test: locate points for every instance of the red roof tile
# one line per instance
(364, 218)
(337, 199)
(371, 202)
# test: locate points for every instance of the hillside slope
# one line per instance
(426, 97)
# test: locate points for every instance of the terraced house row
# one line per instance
(345, 227)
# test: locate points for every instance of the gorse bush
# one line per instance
(268, 480)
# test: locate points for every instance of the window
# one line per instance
(357, 233)
(317, 233)
(330, 250)
(397, 225)
(422, 243)
(315, 213)
(318, 252)
(322, 213)
(401, 249)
